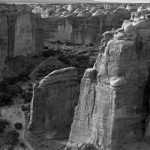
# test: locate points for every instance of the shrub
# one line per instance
(11, 137)
(23, 145)
(18, 126)
(64, 59)
(5, 99)
(3, 124)
(25, 107)
(27, 96)
(4, 86)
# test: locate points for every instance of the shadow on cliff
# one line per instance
(146, 103)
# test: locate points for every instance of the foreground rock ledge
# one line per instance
(54, 100)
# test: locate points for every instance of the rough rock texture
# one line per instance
(113, 102)
(82, 30)
(54, 100)
(21, 32)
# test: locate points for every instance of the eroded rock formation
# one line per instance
(113, 104)
(21, 32)
(83, 29)
(54, 100)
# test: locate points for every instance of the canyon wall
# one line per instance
(82, 30)
(113, 104)
(25, 34)
(54, 100)
(21, 33)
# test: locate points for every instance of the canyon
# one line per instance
(79, 73)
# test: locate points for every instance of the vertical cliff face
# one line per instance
(83, 29)
(21, 33)
(113, 104)
(54, 100)
(24, 44)
(3, 39)
(28, 35)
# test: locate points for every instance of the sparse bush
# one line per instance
(11, 137)
(4, 86)
(18, 126)
(3, 124)
(23, 145)
(27, 96)
(8, 92)
(30, 89)
(25, 107)
(64, 59)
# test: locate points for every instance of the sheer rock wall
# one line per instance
(113, 104)
(21, 33)
(82, 30)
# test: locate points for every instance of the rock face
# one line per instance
(21, 33)
(28, 35)
(82, 28)
(72, 29)
(54, 100)
(113, 102)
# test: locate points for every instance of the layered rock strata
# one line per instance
(25, 34)
(113, 102)
(82, 30)
(54, 100)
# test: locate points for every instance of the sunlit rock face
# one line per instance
(113, 104)
(54, 100)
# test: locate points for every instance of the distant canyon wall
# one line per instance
(81, 30)
(21, 34)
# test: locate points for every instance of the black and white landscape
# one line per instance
(74, 75)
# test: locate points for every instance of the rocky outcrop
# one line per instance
(54, 100)
(113, 102)
(72, 30)
(82, 30)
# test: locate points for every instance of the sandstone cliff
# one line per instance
(84, 29)
(113, 103)
(22, 33)
(54, 100)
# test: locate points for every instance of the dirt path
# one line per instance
(14, 114)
